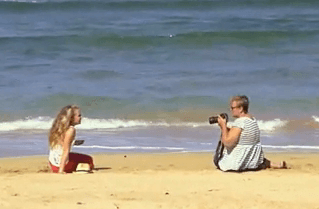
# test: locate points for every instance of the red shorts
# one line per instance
(74, 160)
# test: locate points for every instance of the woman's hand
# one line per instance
(221, 121)
(230, 136)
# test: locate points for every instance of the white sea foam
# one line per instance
(272, 124)
(44, 123)
(39, 123)
(316, 118)
(119, 123)
(269, 126)
(292, 147)
(181, 149)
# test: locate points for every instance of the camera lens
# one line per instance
(214, 119)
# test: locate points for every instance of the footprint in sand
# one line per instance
(4, 203)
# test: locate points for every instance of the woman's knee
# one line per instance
(80, 158)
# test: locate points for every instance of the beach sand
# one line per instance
(137, 181)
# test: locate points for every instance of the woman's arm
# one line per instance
(66, 146)
(230, 136)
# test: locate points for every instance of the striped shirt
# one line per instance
(248, 153)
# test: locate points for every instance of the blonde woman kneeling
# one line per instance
(61, 136)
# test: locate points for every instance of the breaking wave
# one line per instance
(44, 123)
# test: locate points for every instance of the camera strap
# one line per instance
(219, 152)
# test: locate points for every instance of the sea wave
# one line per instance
(39, 123)
(288, 147)
(198, 39)
(29, 5)
(316, 118)
(194, 108)
(183, 149)
(44, 123)
(272, 125)
(35, 5)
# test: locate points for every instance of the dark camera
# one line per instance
(78, 142)
(214, 119)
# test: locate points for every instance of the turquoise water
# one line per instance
(142, 67)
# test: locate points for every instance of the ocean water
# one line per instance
(148, 74)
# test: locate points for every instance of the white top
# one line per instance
(56, 155)
(248, 153)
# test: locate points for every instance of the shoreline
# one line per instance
(273, 152)
(267, 149)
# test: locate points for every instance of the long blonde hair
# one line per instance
(61, 124)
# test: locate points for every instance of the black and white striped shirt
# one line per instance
(248, 153)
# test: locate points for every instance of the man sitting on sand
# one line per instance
(242, 141)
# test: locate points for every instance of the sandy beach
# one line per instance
(135, 180)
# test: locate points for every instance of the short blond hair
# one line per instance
(242, 101)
